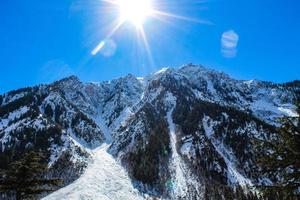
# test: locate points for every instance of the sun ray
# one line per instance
(116, 27)
(115, 2)
(165, 20)
(107, 37)
(166, 14)
(137, 12)
(140, 30)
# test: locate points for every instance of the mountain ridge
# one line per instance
(189, 126)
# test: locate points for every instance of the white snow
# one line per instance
(79, 141)
(225, 115)
(57, 150)
(288, 112)
(12, 116)
(233, 175)
(182, 176)
(180, 187)
(96, 83)
(103, 127)
(104, 179)
(249, 83)
(270, 111)
(210, 87)
(262, 105)
(198, 94)
(164, 69)
(37, 124)
(8, 98)
(186, 148)
(121, 120)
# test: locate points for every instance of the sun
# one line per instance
(135, 11)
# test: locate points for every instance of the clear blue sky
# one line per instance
(44, 40)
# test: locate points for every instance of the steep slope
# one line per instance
(103, 179)
(178, 133)
(208, 141)
(40, 118)
(264, 99)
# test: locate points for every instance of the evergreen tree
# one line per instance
(25, 177)
(284, 159)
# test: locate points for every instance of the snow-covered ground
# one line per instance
(182, 178)
(104, 179)
(180, 186)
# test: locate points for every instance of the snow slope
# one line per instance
(182, 178)
(181, 187)
(104, 179)
(233, 175)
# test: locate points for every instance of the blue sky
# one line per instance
(46, 40)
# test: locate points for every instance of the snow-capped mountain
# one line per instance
(175, 134)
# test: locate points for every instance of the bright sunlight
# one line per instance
(135, 11)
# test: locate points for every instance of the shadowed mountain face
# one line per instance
(179, 133)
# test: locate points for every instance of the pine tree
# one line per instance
(25, 177)
(284, 160)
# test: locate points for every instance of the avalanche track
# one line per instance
(104, 179)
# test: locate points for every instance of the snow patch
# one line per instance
(121, 120)
(164, 69)
(13, 116)
(186, 148)
(103, 127)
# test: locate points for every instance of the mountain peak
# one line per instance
(193, 69)
(162, 70)
(68, 81)
(70, 78)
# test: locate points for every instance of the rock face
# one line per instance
(179, 133)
